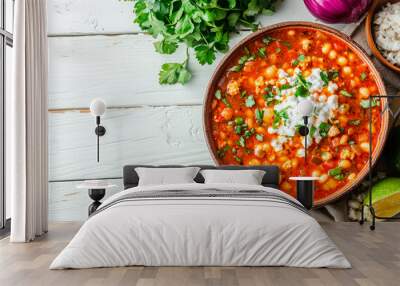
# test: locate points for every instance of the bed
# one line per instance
(198, 224)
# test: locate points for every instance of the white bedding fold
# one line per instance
(205, 231)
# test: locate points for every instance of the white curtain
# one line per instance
(27, 123)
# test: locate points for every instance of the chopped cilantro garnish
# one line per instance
(363, 76)
(346, 93)
(241, 142)
(259, 137)
(364, 103)
(267, 40)
(218, 94)
(324, 129)
(250, 101)
(324, 77)
(259, 115)
(278, 50)
(261, 52)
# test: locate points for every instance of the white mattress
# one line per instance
(202, 232)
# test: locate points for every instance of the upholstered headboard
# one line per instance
(270, 179)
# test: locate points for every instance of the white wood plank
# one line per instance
(90, 16)
(151, 135)
(67, 203)
(68, 17)
(123, 70)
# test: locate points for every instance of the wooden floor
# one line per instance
(375, 257)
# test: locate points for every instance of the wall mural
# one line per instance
(251, 109)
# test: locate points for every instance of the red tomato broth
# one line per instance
(282, 52)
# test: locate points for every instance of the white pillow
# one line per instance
(165, 176)
(247, 177)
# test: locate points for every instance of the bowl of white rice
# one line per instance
(383, 32)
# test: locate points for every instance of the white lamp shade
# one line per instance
(305, 108)
(97, 107)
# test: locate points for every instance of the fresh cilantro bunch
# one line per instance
(203, 25)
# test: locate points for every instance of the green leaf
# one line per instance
(172, 73)
(232, 3)
(324, 129)
(226, 102)
(301, 58)
(241, 142)
(239, 120)
(345, 93)
(218, 94)
(324, 77)
(364, 103)
(184, 27)
(268, 39)
(302, 91)
(184, 76)
(250, 101)
(259, 137)
(205, 54)
(165, 46)
(233, 19)
(333, 74)
(253, 8)
(363, 76)
(259, 115)
(337, 173)
(261, 52)
(287, 44)
(312, 131)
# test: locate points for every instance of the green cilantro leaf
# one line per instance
(250, 101)
(325, 78)
(259, 137)
(323, 129)
(205, 54)
(165, 46)
(172, 73)
(346, 93)
(259, 115)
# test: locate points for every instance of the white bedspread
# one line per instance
(200, 231)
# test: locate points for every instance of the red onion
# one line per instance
(338, 11)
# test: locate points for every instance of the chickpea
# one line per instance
(344, 108)
(266, 147)
(259, 151)
(291, 33)
(286, 165)
(222, 135)
(326, 48)
(233, 87)
(268, 115)
(352, 57)
(306, 72)
(326, 156)
(332, 55)
(364, 92)
(316, 173)
(273, 58)
(323, 178)
(333, 131)
(306, 44)
(271, 71)
(295, 163)
(351, 131)
(254, 162)
(352, 176)
(342, 61)
(330, 184)
(346, 70)
(261, 130)
(344, 139)
(250, 122)
(345, 164)
(227, 113)
(272, 157)
(364, 146)
(249, 113)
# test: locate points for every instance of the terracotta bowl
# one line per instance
(369, 30)
(233, 53)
